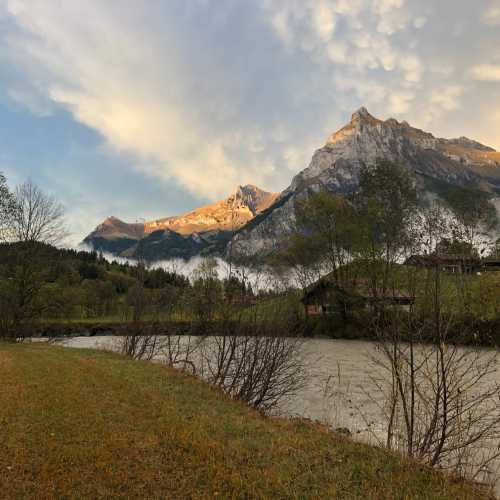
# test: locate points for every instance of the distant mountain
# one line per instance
(255, 221)
(205, 229)
(114, 236)
(436, 164)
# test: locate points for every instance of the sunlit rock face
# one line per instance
(365, 139)
(225, 215)
(204, 229)
(361, 142)
(252, 221)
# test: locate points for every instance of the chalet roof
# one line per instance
(491, 262)
(453, 259)
(360, 289)
(444, 258)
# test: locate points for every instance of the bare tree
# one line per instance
(39, 217)
(439, 400)
(140, 342)
(255, 356)
(262, 370)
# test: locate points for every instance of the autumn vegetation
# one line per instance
(439, 405)
(91, 424)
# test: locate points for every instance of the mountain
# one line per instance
(437, 164)
(224, 215)
(252, 221)
(205, 229)
(114, 236)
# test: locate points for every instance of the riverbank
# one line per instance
(485, 333)
(82, 423)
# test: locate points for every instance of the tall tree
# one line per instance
(474, 216)
(387, 206)
(327, 236)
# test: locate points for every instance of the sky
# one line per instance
(148, 109)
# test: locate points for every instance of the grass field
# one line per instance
(90, 424)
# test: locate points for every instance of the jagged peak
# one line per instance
(111, 219)
(392, 122)
(246, 188)
(252, 197)
(250, 192)
(359, 118)
(362, 122)
(361, 113)
(250, 189)
(246, 201)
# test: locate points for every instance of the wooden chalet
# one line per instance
(325, 297)
(453, 263)
(490, 265)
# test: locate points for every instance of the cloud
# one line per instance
(357, 42)
(400, 102)
(491, 16)
(324, 18)
(448, 98)
(209, 94)
(30, 100)
(420, 22)
(177, 111)
(114, 94)
(486, 72)
(389, 55)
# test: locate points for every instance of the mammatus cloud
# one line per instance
(357, 42)
(486, 72)
(491, 15)
(417, 60)
(210, 94)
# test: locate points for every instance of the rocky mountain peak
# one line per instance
(366, 139)
(114, 228)
(362, 114)
(362, 123)
(248, 190)
(111, 220)
(195, 227)
(359, 144)
(255, 219)
(252, 197)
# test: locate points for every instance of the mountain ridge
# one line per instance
(253, 221)
(192, 230)
(360, 143)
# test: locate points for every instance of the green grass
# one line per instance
(90, 424)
